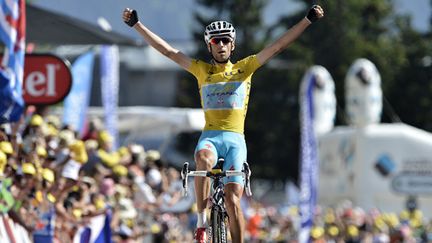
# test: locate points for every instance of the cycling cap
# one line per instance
(219, 28)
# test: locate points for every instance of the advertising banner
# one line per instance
(110, 88)
(47, 79)
(76, 103)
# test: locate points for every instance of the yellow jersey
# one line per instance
(224, 92)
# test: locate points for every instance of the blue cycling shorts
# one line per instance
(228, 145)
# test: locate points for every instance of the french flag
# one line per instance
(97, 231)
(12, 35)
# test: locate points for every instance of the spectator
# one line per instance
(94, 127)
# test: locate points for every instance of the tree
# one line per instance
(411, 90)
(350, 30)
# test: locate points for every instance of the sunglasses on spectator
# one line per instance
(217, 40)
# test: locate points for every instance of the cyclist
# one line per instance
(224, 89)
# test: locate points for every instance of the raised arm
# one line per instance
(130, 17)
(315, 13)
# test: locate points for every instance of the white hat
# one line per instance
(153, 155)
(125, 230)
(153, 177)
(127, 209)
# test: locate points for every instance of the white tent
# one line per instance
(379, 165)
(375, 165)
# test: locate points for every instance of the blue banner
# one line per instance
(105, 235)
(98, 230)
(308, 159)
(77, 101)
(12, 35)
(110, 89)
(11, 102)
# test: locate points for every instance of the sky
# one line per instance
(164, 17)
(173, 19)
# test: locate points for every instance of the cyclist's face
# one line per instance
(221, 48)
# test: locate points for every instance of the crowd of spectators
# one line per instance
(47, 168)
(344, 222)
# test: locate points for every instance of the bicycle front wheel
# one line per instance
(219, 230)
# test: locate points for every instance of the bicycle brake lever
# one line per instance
(184, 176)
(247, 188)
(184, 170)
(185, 185)
(247, 171)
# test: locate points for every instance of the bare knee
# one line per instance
(204, 159)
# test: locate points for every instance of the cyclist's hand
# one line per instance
(130, 17)
(315, 13)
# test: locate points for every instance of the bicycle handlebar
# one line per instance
(204, 173)
(245, 173)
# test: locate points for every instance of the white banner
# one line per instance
(110, 89)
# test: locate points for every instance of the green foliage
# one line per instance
(412, 88)
(351, 29)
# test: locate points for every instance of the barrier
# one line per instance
(98, 230)
(11, 232)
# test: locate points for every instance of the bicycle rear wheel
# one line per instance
(218, 226)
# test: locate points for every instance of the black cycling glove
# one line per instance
(312, 15)
(133, 18)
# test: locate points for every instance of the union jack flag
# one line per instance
(12, 35)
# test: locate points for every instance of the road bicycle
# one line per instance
(217, 230)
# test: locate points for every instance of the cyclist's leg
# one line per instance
(205, 159)
(233, 193)
(234, 159)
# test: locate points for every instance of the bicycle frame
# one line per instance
(218, 214)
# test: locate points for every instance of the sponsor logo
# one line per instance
(47, 79)
(412, 183)
(224, 95)
(233, 73)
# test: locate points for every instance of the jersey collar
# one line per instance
(220, 67)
